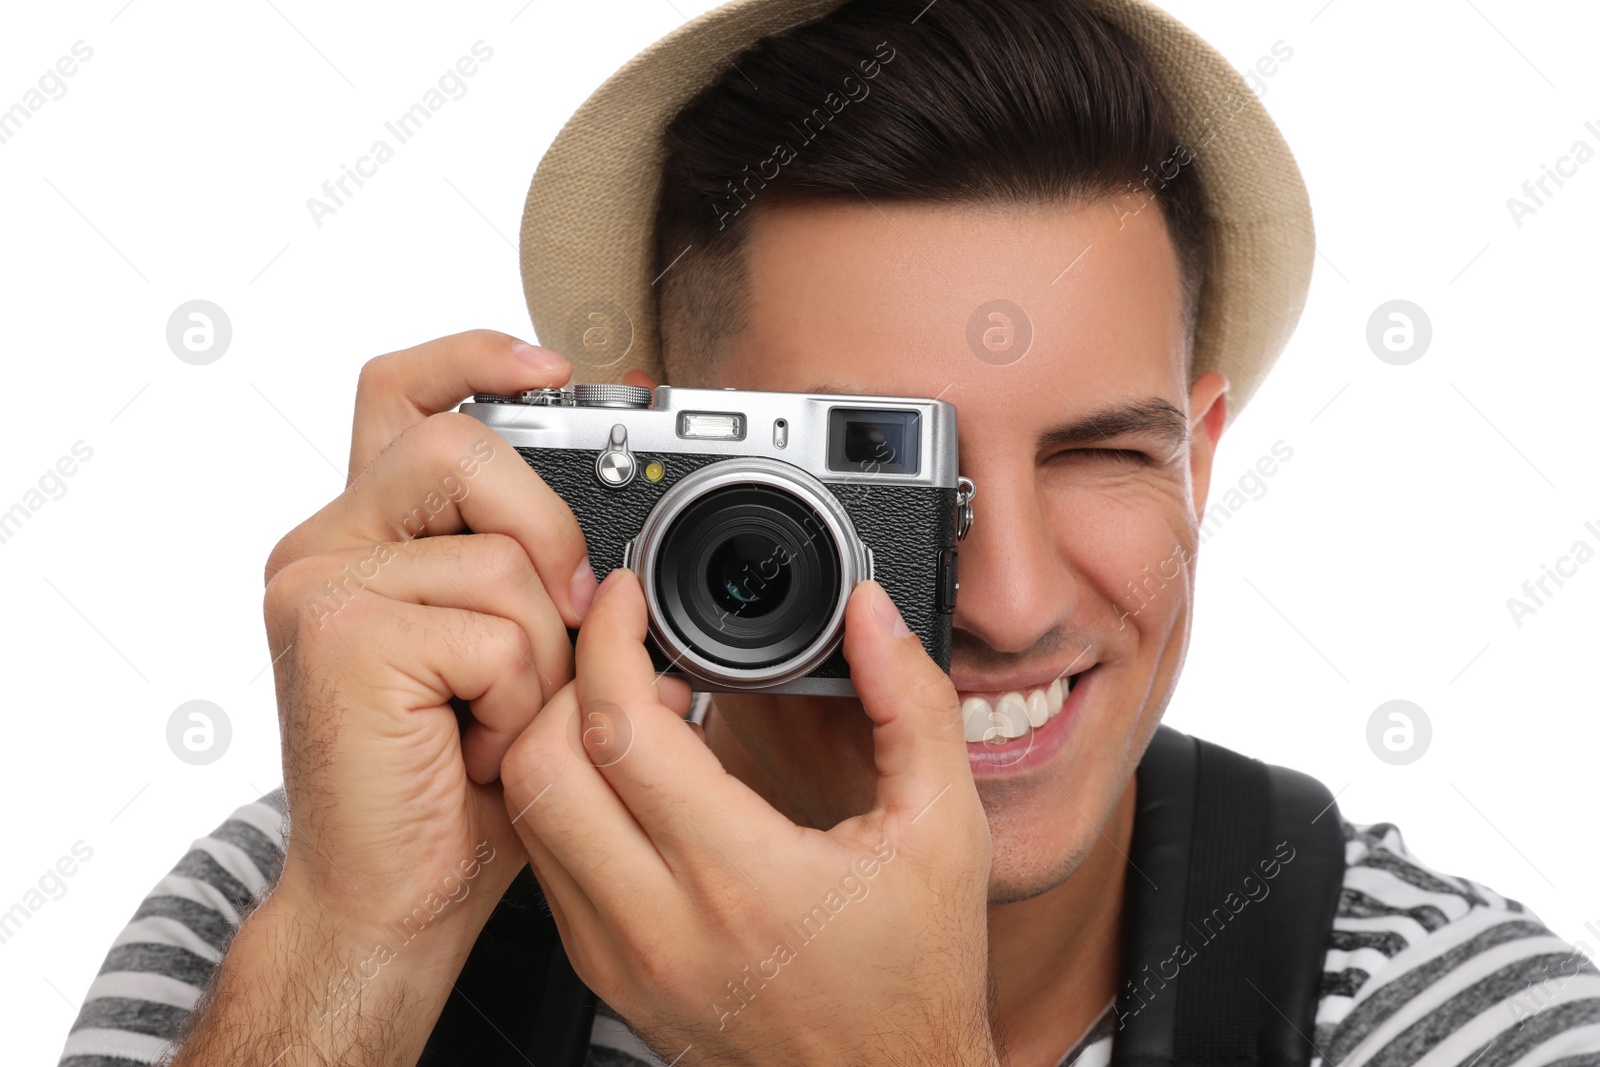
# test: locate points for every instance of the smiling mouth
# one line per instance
(1015, 713)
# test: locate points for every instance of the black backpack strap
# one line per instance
(1236, 871)
(517, 1000)
(1303, 814)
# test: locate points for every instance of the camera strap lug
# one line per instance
(965, 491)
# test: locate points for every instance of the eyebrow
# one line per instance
(1151, 415)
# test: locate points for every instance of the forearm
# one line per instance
(297, 989)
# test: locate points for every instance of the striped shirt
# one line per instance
(1422, 969)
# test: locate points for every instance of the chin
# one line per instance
(1046, 828)
(1033, 853)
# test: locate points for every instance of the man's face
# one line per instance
(1091, 454)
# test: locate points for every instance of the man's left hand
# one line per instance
(709, 920)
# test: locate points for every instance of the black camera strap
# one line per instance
(1221, 960)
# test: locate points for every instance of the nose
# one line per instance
(1016, 582)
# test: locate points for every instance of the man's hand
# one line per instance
(446, 574)
(707, 918)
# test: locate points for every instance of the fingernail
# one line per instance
(584, 587)
(539, 358)
(611, 580)
(887, 614)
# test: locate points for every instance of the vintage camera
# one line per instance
(749, 517)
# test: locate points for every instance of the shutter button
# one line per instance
(615, 466)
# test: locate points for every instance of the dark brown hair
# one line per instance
(958, 101)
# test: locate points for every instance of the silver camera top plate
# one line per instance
(790, 427)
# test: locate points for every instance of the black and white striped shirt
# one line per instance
(1422, 970)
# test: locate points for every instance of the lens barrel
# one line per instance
(747, 565)
(748, 576)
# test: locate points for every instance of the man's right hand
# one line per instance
(446, 573)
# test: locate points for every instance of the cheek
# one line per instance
(1131, 544)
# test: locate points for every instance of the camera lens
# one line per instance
(748, 575)
(745, 577)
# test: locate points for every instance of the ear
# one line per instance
(1208, 408)
(638, 377)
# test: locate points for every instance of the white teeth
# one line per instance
(975, 712)
(1038, 708)
(1002, 720)
(1012, 714)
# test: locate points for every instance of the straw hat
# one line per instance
(587, 228)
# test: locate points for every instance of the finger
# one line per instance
(487, 573)
(420, 659)
(570, 906)
(675, 694)
(919, 742)
(619, 669)
(565, 812)
(588, 938)
(447, 475)
(577, 920)
(400, 389)
(485, 661)
(575, 916)
(693, 810)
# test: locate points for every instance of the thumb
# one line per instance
(919, 741)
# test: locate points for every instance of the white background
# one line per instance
(1376, 566)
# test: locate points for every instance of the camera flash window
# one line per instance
(711, 426)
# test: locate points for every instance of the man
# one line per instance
(1067, 218)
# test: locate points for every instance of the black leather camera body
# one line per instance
(750, 516)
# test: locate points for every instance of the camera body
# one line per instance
(750, 516)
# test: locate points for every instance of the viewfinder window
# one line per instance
(868, 441)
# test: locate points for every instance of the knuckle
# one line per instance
(448, 435)
(510, 649)
(656, 964)
(298, 543)
(377, 376)
(288, 589)
(303, 599)
(722, 897)
(483, 340)
(503, 563)
(282, 555)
